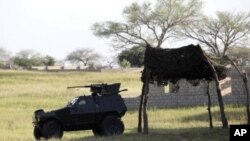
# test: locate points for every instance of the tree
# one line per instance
(124, 63)
(83, 55)
(111, 61)
(27, 59)
(48, 60)
(4, 55)
(4, 58)
(135, 56)
(147, 25)
(227, 29)
(240, 55)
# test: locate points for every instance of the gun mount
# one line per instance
(103, 88)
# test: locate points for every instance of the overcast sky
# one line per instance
(56, 27)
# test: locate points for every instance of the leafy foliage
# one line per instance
(83, 55)
(145, 24)
(4, 55)
(125, 64)
(28, 58)
(134, 55)
(5, 58)
(48, 60)
(240, 55)
(227, 29)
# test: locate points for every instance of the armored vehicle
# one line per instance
(100, 112)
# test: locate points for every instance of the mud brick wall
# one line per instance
(187, 95)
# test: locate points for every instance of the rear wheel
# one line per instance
(37, 133)
(52, 129)
(112, 125)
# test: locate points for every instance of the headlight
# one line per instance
(33, 119)
(36, 119)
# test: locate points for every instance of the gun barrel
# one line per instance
(123, 90)
(72, 87)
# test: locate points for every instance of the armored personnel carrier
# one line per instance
(100, 112)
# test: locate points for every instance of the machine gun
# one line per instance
(102, 88)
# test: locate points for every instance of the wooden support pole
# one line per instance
(142, 115)
(145, 100)
(245, 81)
(145, 115)
(218, 90)
(221, 104)
(140, 111)
(209, 106)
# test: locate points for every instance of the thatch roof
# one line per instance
(187, 62)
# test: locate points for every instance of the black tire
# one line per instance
(37, 133)
(112, 125)
(97, 131)
(52, 129)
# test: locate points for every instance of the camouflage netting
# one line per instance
(188, 62)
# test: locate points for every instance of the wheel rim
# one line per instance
(54, 130)
(112, 125)
(114, 128)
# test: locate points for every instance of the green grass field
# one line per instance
(22, 92)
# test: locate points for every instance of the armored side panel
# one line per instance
(112, 103)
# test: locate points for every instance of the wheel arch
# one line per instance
(100, 119)
(113, 113)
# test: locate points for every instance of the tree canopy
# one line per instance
(240, 55)
(219, 33)
(146, 24)
(135, 56)
(152, 24)
(83, 55)
(5, 58)
(28, 58)
(4, 55)
(48, 60)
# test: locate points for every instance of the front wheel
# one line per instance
(112, 125)
(37, 133)
(97, 131)
(52, 129)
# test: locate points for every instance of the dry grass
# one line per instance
(22, 92)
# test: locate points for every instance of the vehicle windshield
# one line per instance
(72, 102)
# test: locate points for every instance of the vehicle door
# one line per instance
(83, 112)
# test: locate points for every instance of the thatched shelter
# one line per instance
(170, 65)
